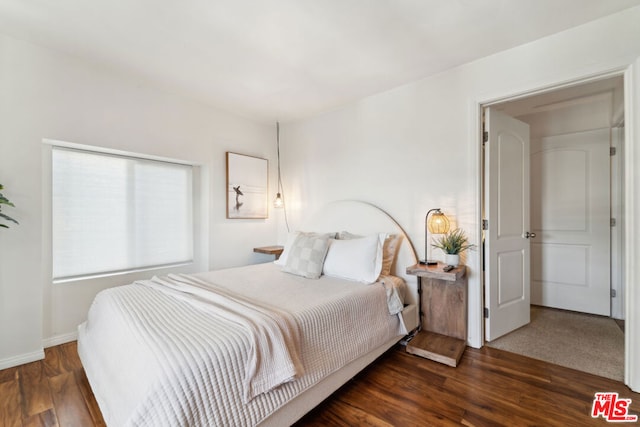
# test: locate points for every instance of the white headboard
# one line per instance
(364, 218)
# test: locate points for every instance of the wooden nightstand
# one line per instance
(270, 250)
(442, 334)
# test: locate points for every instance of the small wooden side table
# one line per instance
(442, 333)
(270, 250)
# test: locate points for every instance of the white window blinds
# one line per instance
(114, 213)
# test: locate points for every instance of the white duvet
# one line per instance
(156, 358)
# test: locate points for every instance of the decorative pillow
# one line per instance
(345, 235)
(358, 259)
(307, 254)
(389, 252)
(389, 249)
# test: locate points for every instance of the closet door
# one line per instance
(570, 214)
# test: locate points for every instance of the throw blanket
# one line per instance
(394, 287)
(275, 338)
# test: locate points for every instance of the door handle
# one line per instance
(529, 235)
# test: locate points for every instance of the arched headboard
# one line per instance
(364, 218)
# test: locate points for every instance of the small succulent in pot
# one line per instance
(452, 244)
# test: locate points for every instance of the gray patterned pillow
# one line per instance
(307, 254)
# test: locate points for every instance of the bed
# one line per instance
(255, 345)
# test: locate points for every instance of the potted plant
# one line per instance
(5, 201)
(452, 244)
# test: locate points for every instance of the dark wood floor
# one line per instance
(489, 388)
(49, 392)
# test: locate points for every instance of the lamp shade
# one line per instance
(438, 223)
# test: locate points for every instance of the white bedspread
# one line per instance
(154, 359)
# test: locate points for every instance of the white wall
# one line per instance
(46, 94)
(416, 147)
(596, 114)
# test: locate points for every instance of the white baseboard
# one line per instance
(60, 339)
(21, 359)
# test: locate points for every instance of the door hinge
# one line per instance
(486, 312)
(613, 293)
(485, 137)
(485, 224)
(612, 151)
(613, 222)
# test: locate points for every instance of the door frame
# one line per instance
(630, 71)
(617, 232)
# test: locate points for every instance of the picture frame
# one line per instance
(247, 187)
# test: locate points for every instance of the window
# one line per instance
(114, 213)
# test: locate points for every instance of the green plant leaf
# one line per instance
(5, 201)
(8, 218)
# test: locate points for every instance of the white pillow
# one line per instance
(291, 237)
(390, 247)
(355, 259)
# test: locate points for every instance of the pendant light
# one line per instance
(279, 200)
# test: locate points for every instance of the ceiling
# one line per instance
(610, 89)
(288, 59)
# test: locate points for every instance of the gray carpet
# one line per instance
(585, 342)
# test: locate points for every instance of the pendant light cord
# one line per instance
(280, 188)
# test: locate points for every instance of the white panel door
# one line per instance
(570, 201)
(507, 248)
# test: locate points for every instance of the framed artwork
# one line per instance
(247, 183)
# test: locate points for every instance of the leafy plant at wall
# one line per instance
(453, 243)
(5, 201)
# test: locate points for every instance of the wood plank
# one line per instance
(34, 389)
(404, 404)
(10, 410)
(444, 307)
(89, 398)
(62, 358)
(436, 272)
(437, 347)
(70, 359)
(69, 403)
(9, 374)
(270, 250)
(342, 414)
(52, 361)
(43, 419)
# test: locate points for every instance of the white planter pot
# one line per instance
(450, 259)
